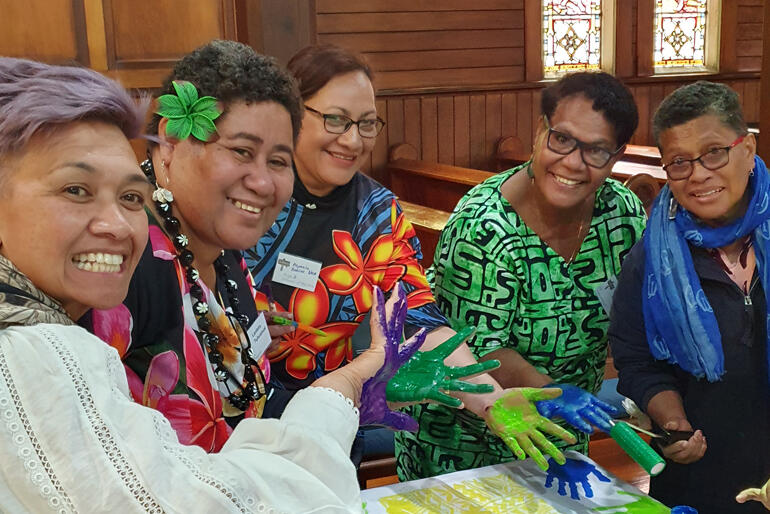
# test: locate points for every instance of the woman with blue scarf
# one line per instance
(689, 319)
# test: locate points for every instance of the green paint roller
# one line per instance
(637, 448)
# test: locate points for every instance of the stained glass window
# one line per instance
(571, 36)
(680, 35)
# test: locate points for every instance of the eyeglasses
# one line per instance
(564, 144)
(339, 124)
(681, 169)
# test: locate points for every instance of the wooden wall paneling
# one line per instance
(412, 128)
(462, 131)
(763, 148)
(389, 82)
(395, 126)
(402, 41)
(536, 95)
(748, 37)
(642, 97)
(751, 101)
(437, 20)
(446, 130)
(645, 11)
(493, 129)
(144, 38)
(656, 96)
(439, 59)
(429, 129)
(508, 114)
(357, 6)
(478, 132)
(47, 31)
(380, 151)
(624, 57)
(524, 118)
(728, 57)
(287, 26)
(533, 37)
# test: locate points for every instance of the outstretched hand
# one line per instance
(573, 473)
(514, 418)
(579, 408)
(426, 377)
(386, 325)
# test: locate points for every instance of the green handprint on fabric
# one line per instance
(642, 505)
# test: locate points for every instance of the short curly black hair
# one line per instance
(696, 100)
(230, 72)
(610, 97)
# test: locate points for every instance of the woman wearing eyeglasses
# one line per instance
(689, 329)
(523, 259)
(343, 233)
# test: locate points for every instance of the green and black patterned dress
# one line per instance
(492, 272)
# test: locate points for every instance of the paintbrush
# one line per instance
(280, 320)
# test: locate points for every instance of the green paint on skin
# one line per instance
(425, 376)
(515, 419)
(642, 505)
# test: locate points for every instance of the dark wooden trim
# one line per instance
(652, 79)
(109, 31)
(533, 40)
(624, 56)
(81, 37)
(252, 18)
(764, 106)
(645, 25)
(728, 57)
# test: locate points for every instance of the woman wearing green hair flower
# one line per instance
(188, 329)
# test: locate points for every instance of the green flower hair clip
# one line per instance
(187, 114)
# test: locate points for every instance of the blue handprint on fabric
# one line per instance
(573, 473)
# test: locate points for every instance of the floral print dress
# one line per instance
(156, 334)
(361, 238)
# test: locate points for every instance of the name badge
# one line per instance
(259, 337)
(296, 272)
(605, 292)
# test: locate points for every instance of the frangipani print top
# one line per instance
(361, 238)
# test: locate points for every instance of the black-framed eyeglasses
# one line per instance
(681, 169)
(564, 144)
(339, 123)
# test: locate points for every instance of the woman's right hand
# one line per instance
(684, 452)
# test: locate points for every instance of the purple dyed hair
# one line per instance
(38, 97)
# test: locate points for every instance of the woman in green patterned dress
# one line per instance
(529, 257)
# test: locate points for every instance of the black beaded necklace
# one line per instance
(251, 391)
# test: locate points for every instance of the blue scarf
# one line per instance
(680, 324)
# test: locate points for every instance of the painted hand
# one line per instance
(514, 419)
(641, 505)
(387, 329)
(578, 408)
(755, 494)
(573, 473)
(425, 377)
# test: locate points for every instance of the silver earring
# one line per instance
(161, 194)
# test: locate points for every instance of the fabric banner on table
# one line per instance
(578, 487)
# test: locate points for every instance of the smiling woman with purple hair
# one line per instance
(72, 229)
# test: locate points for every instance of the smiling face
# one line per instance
(71, 215)
(716, 196)
(565, 181)
(325, 161)
(227, 193)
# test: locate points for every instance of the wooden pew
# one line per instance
(428, 224)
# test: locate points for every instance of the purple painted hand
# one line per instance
(387, 330)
